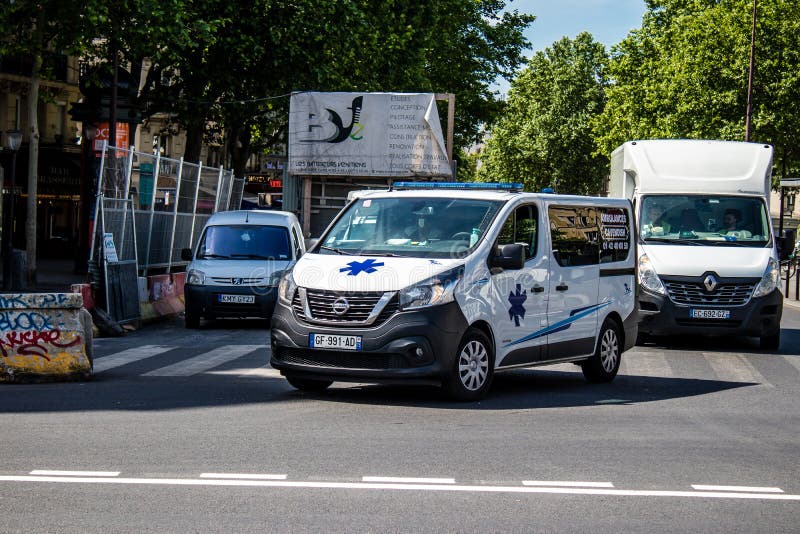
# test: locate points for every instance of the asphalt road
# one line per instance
(190, 431)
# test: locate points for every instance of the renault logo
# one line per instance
(710, 282)
(340, 306)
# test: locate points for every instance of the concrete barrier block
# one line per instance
(85, 291)
(178, 281)
(160, 286)
(144, 291)
(44, 335)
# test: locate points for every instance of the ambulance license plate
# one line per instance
(709, 314)
(237, 299)
(328, 341)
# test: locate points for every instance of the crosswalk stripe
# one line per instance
(128, 356)
(794, 361)
(205, 361)
(647, 364)
(734, 368)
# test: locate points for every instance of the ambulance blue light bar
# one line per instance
(487, 186)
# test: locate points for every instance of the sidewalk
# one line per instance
(53, 276)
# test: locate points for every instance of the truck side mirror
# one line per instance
(186, 254)
(510, 256)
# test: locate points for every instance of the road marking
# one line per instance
(46, 472)
(243, 476)
(567, 484)
(648, 364)
(734, 368)
(257, 372)
(128, 356)
(404, 487)
(410, 480)
(794, 361)
(205, 361)
(747, 489)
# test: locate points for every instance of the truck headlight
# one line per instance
(439, 289)
(287, 288)
(648, 277)
(770, 281)
(195, 277)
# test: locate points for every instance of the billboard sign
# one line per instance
(366, 134)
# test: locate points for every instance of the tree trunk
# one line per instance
(33, 154)
(194, 142)
(239, 144)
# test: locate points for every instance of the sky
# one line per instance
(609, 21)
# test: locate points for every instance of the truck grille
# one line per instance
(363, 309)
(695, 294)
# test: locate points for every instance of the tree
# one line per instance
(544, 139)
(684, 75)
(34, 29)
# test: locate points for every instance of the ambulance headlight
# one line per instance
(439, 289)
(195, 277)
(648, 277)
(287, 288)
(770, 281)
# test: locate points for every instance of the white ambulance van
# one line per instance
(707, 255)
(446, 283)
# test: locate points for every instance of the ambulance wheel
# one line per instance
(604, 363)
(307, 384)
(771, 342)
(191, 319)
(473, 368)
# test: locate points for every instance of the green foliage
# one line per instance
(684, 75)
(544, 139)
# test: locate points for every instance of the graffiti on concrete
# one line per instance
(34, 300)
(33, 343)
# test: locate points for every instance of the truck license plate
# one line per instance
(328, 341)
(709, 314)
(237, 299)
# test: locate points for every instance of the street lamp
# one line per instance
(87, 197)
(13, 141)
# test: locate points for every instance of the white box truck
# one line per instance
(707, 255)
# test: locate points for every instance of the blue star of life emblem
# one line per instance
(517, 311)
(366, 266)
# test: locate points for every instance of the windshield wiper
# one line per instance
(673, 241)
(336, 250)
(251, 256)
(204, 256)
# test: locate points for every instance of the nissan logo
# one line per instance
(340, 306)
(710, 282)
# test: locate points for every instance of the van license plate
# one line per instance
(327, 341)
(709, 314)
(237, 299)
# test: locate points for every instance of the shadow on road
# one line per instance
(790, 343)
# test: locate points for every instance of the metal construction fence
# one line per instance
(147, 209)
(170, 201)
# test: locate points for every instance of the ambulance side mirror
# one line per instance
(510, 256)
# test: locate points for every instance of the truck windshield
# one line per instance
(245, 242)
(712, 220)
(429, 227)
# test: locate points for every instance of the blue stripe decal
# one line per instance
(575, 315)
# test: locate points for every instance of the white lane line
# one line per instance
(256, 372)
(405, 487)
(746, 489)
(47, 472)
(128, 356)
(734, 368)
(409, 480)
(243, 476)
(794, 361)
(567, 484)
(205, 361)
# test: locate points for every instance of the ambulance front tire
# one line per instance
(471, 376)
(604, 363)
(307, 384)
